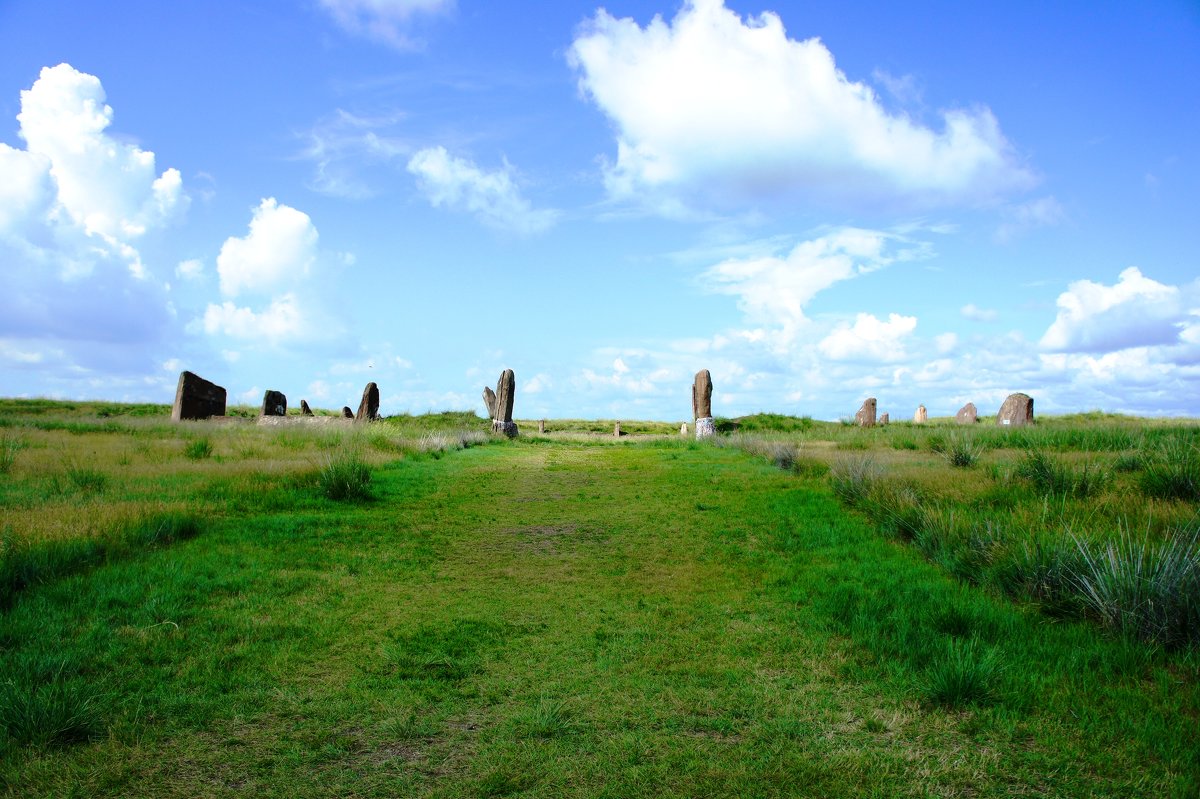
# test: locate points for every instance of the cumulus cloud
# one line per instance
(279, 249)
(976, 314)
(76, 196)
(869, 339)
(712, 102)
(773, 290)
(1135, 312)
(387, 21)
(493, 197)
(281, 320)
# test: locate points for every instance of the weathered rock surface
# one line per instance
(347, 413)
(274, 404)
(866, 414)
(702, 395)
(368, 407)
(506, 392)
(884, 419)
(542, 426)
(705, 427)
(304, 409)
(508, 428)
(489, 399)
(967, 414)
(617, 430)
(1016, 411)
(683, 429)
(196, 398)
(921, 416)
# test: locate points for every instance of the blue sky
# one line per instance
(929, 203)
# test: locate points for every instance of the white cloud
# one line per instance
(279, 250)
(76, 196)
(976, 314)
(773, 290)
(1021, 218)
(387, 21)
(711, 102)
(343, 146)
(538, 383)
(1135, 312)
(282, 319)
(493, 197)
(190, 269)
(869, 339)
(945, 342)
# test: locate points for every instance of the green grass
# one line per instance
(567, 616)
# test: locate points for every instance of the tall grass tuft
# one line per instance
(10, 445)
(345, 476)
(1051, 476)
(87, 479)
(1173, 472)
(966, 674)
(56, 712)
(1149, 590)
(961, 452)
(198, 450)
(853, 478)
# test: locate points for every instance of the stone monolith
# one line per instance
(702, 389)
(347, 413)
(921, 416)
(304, 409)
(866, 414)
(489, 400)
(967, 414)
(506, 391)
(1016, 411)
(884, 419)
(274, 403)
(196, 398)
(368, 407)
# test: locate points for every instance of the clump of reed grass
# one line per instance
(853, 478)
(86, 478)
(345, 476)
(54, 712)
(1173, 472)
(10, 445)
(961, 451)
(1050, 475)
(1146, 589)
(198, 450)
(966, 674)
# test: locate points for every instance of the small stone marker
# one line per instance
(866, 414)
(304, 409)
(347, 413)
(489, 399)
(1016, 411)
(542, 426)
(884, 419)
(506, 392)
(702, 389)
(196, 398)
(368, 407)
(921, 416)
(617, 430)
(683, 429)
(967, 414)
(274, 404)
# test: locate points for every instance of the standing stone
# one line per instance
(884, 419)
(304, 409)
(683, 429)
(866, 414)
(489, 399)
(702, 389)
(368, 407)
(617, 430)
(967, 414)
(506, 392)
(196, 398)
(347, 413)
(274, 404)
(1016, 411)
(542, 426)
(921, 416)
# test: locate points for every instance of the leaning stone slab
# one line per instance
(489, 400)
(866, 414)
(274, 404)
(368, 408)
(304, 409)
(967, 414)
(1016, 411)
(921, 416)
(196, 398)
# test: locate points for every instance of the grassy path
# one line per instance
(578, 620)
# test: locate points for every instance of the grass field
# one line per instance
(414, 608)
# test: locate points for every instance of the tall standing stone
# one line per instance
(274, 404)
(1016, 411)
(506, 392)
(683, 429)
(702, 389)
(866, 414)
(884, 419)
(196, 398)
(967, 414)
(617, 430)
(489, 399)
(921, 416)
(368, 407)
(542, 426)
(304, 409)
